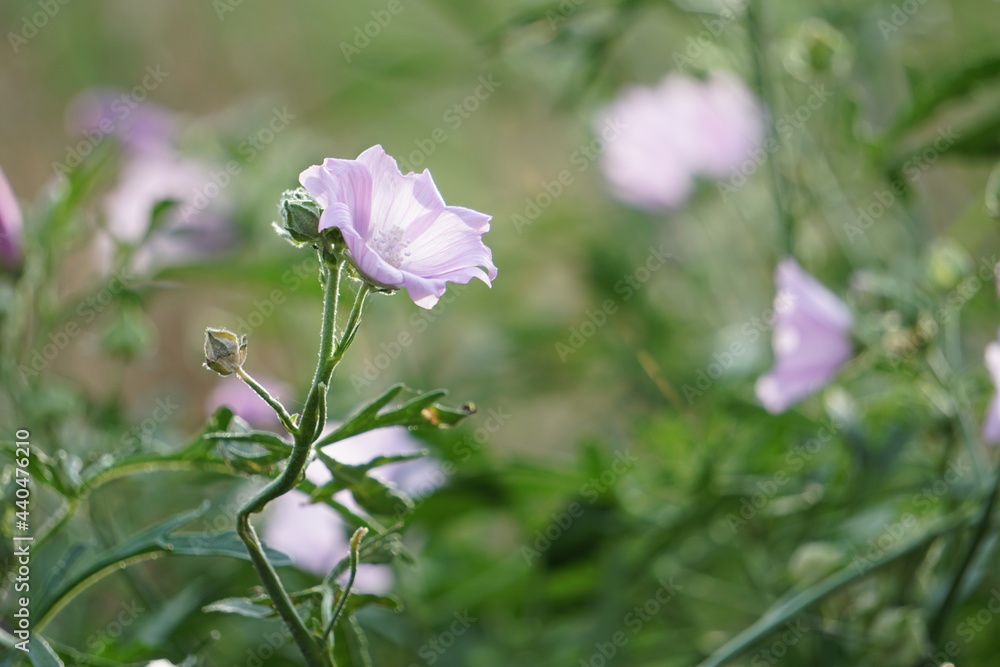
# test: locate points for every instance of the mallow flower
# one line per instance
(315, 537)
(991, 423)
(10, 226)
(668, 135)
(398, 230)
(811, 338)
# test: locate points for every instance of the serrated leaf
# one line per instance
(421, 411)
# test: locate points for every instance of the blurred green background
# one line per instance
(664, 521)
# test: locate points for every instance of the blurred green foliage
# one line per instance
(626, 503)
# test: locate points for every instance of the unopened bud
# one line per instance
(299, 216)
(225, 352)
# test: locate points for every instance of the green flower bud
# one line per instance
(817, 50)
(948, 264)
(299, 217)
(225, 352)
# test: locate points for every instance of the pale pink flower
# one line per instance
(397, 227)
(315, 537)
(194, 228)
(811, 338)
(674, 132)
(11, 226)
(991, 422)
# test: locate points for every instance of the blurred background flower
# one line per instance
(674, 132)
(10, 225)
(315, 536)
(811, 338)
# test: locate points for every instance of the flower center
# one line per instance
(390, 246)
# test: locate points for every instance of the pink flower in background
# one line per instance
(672, 133)
(244, 401)
(314, 535)
(811, 338)
(152, 172)
(991, 423)
(397, 227)
(11, 225)
(141, 127)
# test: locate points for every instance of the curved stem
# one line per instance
(279, 409)
(330, 353)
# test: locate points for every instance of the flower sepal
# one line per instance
(299, 215)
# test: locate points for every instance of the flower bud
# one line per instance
(225, 352)
(948, 264)
(817, 50)
(299, 217)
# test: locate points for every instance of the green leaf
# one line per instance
(795, 602)
(260, 608)
(41, 654)
(421, 411)
(374, 495)
(227, 544)
(200, 453)
(946, 87)
(146, 544)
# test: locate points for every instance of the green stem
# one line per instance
(342, 602)
(330, 353)
(780, 185)
(279, 409)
